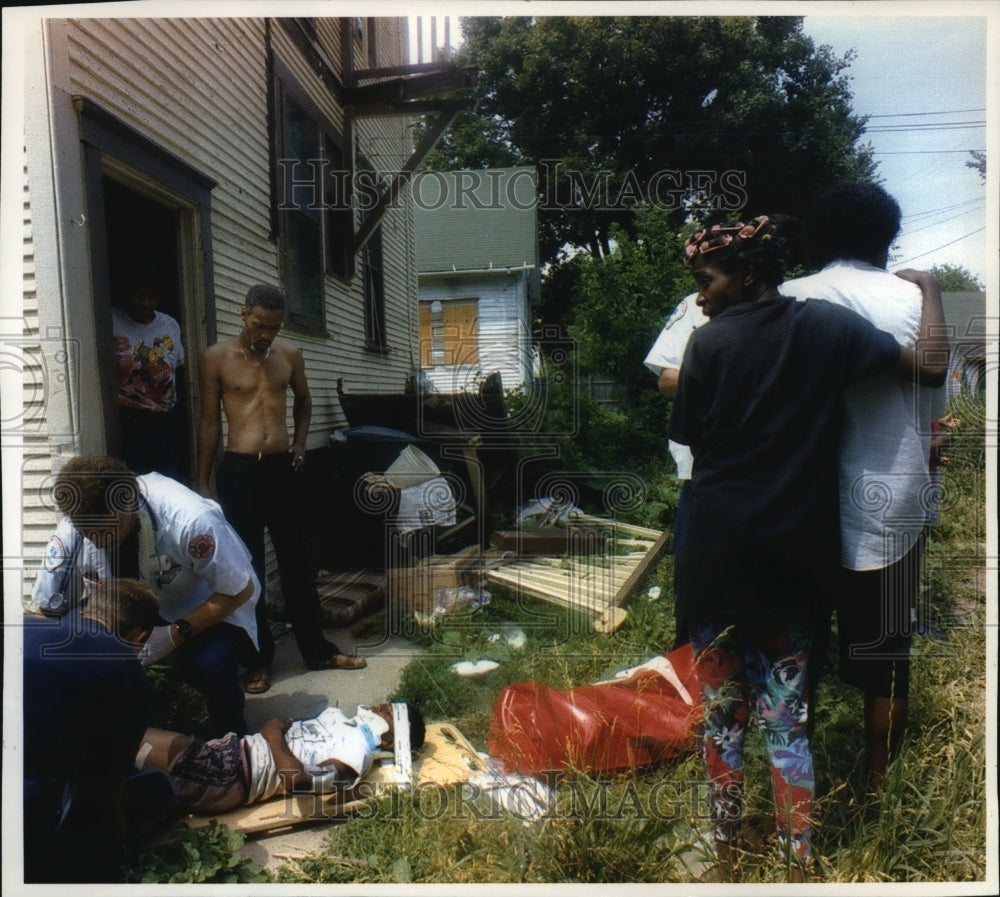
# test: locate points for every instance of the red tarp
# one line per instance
(597, 728)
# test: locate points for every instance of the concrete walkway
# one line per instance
(298, 693)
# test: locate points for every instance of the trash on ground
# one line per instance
(512, 636)
(525, 797)
(468, 668)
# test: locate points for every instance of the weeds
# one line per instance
(196, 856)
(932, 825)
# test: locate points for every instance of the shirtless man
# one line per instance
(257, 480)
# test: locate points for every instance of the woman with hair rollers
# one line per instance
(757, 402)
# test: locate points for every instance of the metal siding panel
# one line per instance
(37, 520)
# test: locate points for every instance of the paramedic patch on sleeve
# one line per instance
(201, 546)
(55, 554)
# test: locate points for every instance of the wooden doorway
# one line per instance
(145, 240)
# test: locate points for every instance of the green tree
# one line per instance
(721, 114)
(956, 279)
(978, 163)
(623, 300)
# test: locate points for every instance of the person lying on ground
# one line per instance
(328, 754)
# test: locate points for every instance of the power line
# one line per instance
(956, 240)
(916, 230)
(950, 208)
(936, 126)
(921, 152)
(911, 114)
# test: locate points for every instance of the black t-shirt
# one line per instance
(758, 402)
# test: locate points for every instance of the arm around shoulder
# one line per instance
(926, 364)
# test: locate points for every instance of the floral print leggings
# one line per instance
(757, 664)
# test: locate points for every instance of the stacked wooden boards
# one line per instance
(601, 565)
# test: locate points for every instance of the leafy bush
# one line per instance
(197, 856)
(176, 706)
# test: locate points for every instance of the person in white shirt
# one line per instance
(664, 360)
(180, 545)
(885, 487)
(149, 357)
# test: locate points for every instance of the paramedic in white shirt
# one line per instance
(183, 549)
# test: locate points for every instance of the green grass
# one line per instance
(619, 828)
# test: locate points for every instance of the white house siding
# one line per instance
(198, 89)
(504, 343)
(32, 430)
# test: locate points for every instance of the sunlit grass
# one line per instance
(932, 825)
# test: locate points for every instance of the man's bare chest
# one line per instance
(270, 377)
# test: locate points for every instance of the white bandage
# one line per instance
(401, 742)
(142, 754)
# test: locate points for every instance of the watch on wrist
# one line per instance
(184, 628)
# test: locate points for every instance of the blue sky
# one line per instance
(921, 79)
(921, 75)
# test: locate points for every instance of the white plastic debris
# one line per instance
(522, 796)
(468, 668)
(512, 636)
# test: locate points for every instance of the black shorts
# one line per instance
(873, 625)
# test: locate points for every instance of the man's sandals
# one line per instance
(338, 662)
(257, 680)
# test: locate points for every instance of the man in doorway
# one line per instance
(149, 358)
(259, 481)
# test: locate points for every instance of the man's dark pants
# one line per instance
(263, 491)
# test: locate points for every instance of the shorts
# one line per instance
(874, 628)
(211, 776)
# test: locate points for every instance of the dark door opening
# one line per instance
(142, 246)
